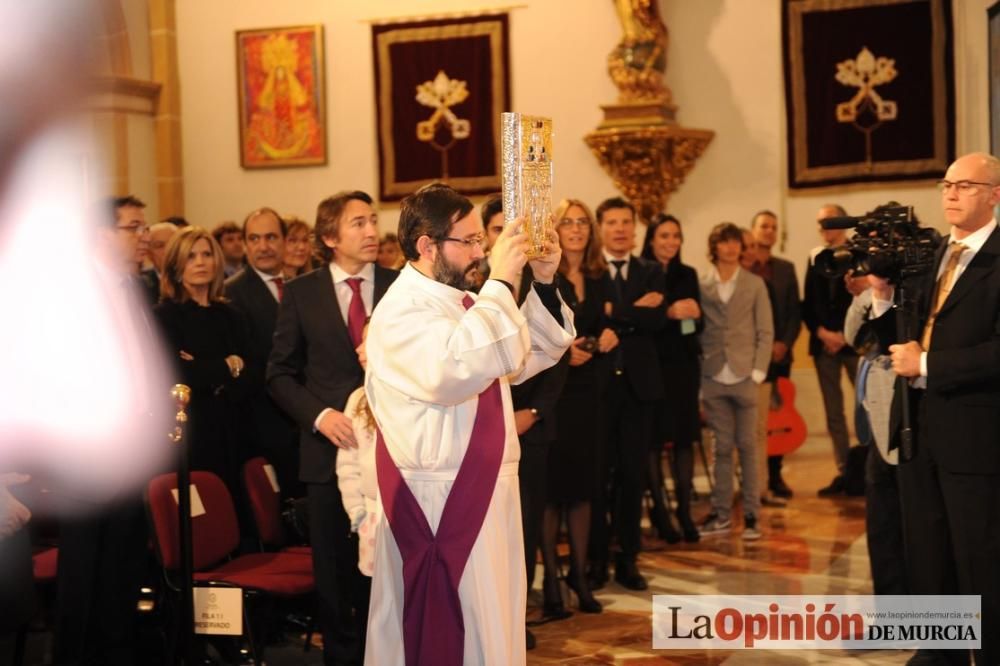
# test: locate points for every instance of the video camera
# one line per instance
(888, 242)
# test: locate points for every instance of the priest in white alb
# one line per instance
(449, 582)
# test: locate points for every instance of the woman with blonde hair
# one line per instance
(572, 477)
(298, 247)
(208, 340)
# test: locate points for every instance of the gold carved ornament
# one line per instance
(648, 164)
(639, 143)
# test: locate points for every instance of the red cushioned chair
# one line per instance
(215, 535)
(265, 500)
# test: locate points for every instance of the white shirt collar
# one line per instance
(977, 239)
(714, 272)
(339, 274)
(608, 257)
(264, 276)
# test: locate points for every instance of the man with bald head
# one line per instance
(950, 489)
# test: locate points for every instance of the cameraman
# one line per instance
(875, 387)
(950, 490)
(824, 307)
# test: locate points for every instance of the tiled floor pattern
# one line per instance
(813, 546)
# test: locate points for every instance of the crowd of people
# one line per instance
(593, 365)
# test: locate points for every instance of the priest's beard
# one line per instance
(455, 276)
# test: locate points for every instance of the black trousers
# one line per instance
(531, 479)
(884, 525)
(335, 566)
(102, 562)
(621, 472)
(951, 530)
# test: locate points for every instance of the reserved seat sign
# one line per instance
(218, 611)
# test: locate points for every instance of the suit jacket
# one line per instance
(636, 328)
(825, 304)
(313, 364)
(787, 309)
(542, 391)
(960, 410)
(680, 281)
(268, 427)
(740, 332)
(151, 285)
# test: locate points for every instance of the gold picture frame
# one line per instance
(282, 97)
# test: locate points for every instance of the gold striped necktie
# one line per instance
(944, 285)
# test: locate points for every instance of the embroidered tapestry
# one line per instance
(440, 87)
(869, 90)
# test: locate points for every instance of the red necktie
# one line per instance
(467, 301)
(280, 284)
(356, 312)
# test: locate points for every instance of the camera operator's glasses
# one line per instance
(962, 186)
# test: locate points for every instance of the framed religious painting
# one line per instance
(281, 97)
(440, 87)
(869, 90)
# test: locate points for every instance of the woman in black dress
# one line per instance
(680, 422)
(208, 340)
(574, 457)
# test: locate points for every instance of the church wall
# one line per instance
(724, 70)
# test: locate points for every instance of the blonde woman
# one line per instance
(298, 248)
(208, 340)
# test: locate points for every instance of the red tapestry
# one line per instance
(440, 87)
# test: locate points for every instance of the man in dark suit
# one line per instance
(312, 370)
(779, 274)
(824, 306)
(634, 385)
(950, 490)
(256, 291)
(103, 555)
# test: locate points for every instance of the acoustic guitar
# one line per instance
(786, 429)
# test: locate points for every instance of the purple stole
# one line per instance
(433, 630)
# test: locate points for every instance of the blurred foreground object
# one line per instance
(84, 400)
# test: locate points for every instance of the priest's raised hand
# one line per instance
(508, 254)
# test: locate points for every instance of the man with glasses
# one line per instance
(449, 560)
(102, 552)
(132, 232)
(950, 490)
(312, 370)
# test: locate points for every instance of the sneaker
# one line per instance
(772, 500)
(715, 525)
(750, 531)
(836, 487)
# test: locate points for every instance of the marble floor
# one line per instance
(812, 546)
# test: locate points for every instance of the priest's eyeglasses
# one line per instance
(961, 186)
(479, 240)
